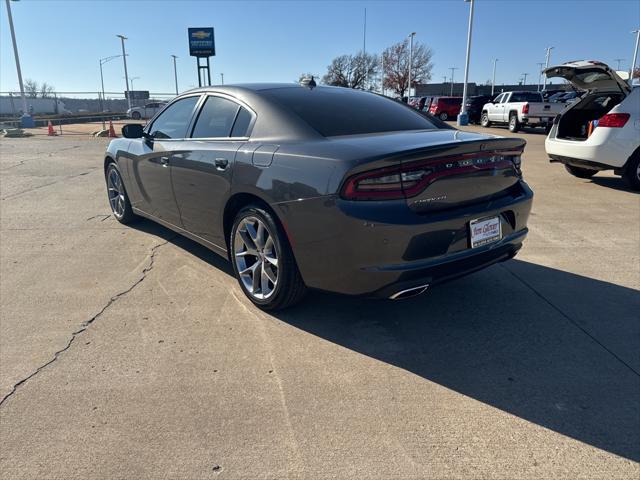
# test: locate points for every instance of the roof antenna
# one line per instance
(309, 82)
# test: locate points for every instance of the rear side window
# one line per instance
(216, 118)
(334, 111)
(526, 97)
(174, 120)
(243, 120)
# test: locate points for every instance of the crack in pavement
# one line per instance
(85, 325)
(14, 195)
(571, 320)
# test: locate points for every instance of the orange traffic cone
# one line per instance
(112, 132)
(51, 132)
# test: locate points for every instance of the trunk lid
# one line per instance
(434, 170)
(589, 75)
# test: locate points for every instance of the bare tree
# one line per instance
(352, 71)
(31, 88)
(396, 66)
(46, 90)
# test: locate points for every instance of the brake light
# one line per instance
(525, 108)
(614, 120)
(408, 180)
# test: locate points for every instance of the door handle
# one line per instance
(221, 163)
(164, 161)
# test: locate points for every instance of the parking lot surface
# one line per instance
(132, 353)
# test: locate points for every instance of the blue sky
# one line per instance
(61, 41)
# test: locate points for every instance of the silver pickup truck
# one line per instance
(519, 109)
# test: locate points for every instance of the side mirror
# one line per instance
(132, 130)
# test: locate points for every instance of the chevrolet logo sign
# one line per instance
(201, 34)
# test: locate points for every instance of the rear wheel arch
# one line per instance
(237, 202)
(108, 160)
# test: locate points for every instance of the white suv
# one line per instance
(601, 131)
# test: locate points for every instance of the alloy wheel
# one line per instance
(256, 257)
(116, 193)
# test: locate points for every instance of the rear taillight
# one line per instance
(385, 183)
(614, 120)
(408, 180)
(525, 108)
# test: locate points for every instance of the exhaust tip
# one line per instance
(409, 292)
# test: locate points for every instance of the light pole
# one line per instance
(635, 56)
(452, 71)
(175, 72)
(524, 82)
(222, 78)
(131, 79)
(411, 35)
(126, 74)
(619, 61)
(26, 121)
(546, 65)
(493, 82)
(102, 62)
(539, 73)
(463, 118)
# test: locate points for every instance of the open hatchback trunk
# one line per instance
(605, 87)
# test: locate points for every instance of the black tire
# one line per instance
(514, 124)
(136, 115)
(443, 116)
(124, 215)
(289, 288)
(631, 174)
(580, 172)
(484, 120)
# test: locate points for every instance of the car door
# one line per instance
(201, 177)
(494, 108)
(501, 113)
(151, 157)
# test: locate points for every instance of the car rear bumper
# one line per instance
(601, 148)
(381, 248)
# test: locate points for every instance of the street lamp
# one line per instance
(493, 82)
(411, 35)
(546, 65)
(539, 73)
(175, 72)
(222, 78)
(619, 61)
(463, 118)
(102, 62)
(452, 71)
(131, 79)
(635, 56)
(26, 121)
(524, 81)
(126, 75)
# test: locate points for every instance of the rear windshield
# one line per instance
(343, 111)
(525, 97)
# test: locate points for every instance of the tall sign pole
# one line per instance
(175, 72)
(546, 65)
(26, 121)
(202, 45)
(493, 82)
(126, 74)
(463, 118)
(633, 62)
(411, 35)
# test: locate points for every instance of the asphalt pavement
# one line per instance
(131, 352)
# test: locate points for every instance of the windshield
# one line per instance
(344, 111)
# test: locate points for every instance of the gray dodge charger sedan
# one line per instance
(322, 187)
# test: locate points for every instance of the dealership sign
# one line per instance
(201, 42)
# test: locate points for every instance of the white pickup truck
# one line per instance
(519, 109)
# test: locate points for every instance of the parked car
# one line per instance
(518, 109)
(601, 131)
(474, 107)
(546, 94)
(326, 188)
(421, 103)
(146, 111)
(445, 107)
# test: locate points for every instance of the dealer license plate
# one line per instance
(484, 231)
